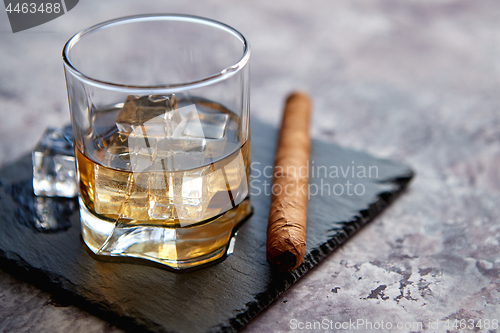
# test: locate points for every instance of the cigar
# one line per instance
(286, 228)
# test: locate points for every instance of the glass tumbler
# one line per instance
(160, 113)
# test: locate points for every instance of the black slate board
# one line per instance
(40, 242)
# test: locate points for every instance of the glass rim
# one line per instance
(205, 81)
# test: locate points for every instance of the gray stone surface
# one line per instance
(415, 81)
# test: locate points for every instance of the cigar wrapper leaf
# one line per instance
(286, 230)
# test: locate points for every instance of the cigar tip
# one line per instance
(298, 95)
(285, 261)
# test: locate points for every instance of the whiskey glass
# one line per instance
(159, 107)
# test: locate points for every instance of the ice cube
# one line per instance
(218, 196)
(152, 109)
(206, 125)
(178, 196)
(161, 196)
(112, 151)
(189, 194)
(211, 128)
(54, 172)
(162, 139)
(236, 179)
(227, 186)
(179, 154)
(118, 195)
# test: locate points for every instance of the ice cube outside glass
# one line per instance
(159, 107)
(54, 164)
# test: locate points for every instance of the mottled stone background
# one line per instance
(416, 81)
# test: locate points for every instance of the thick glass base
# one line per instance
(178, 248)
